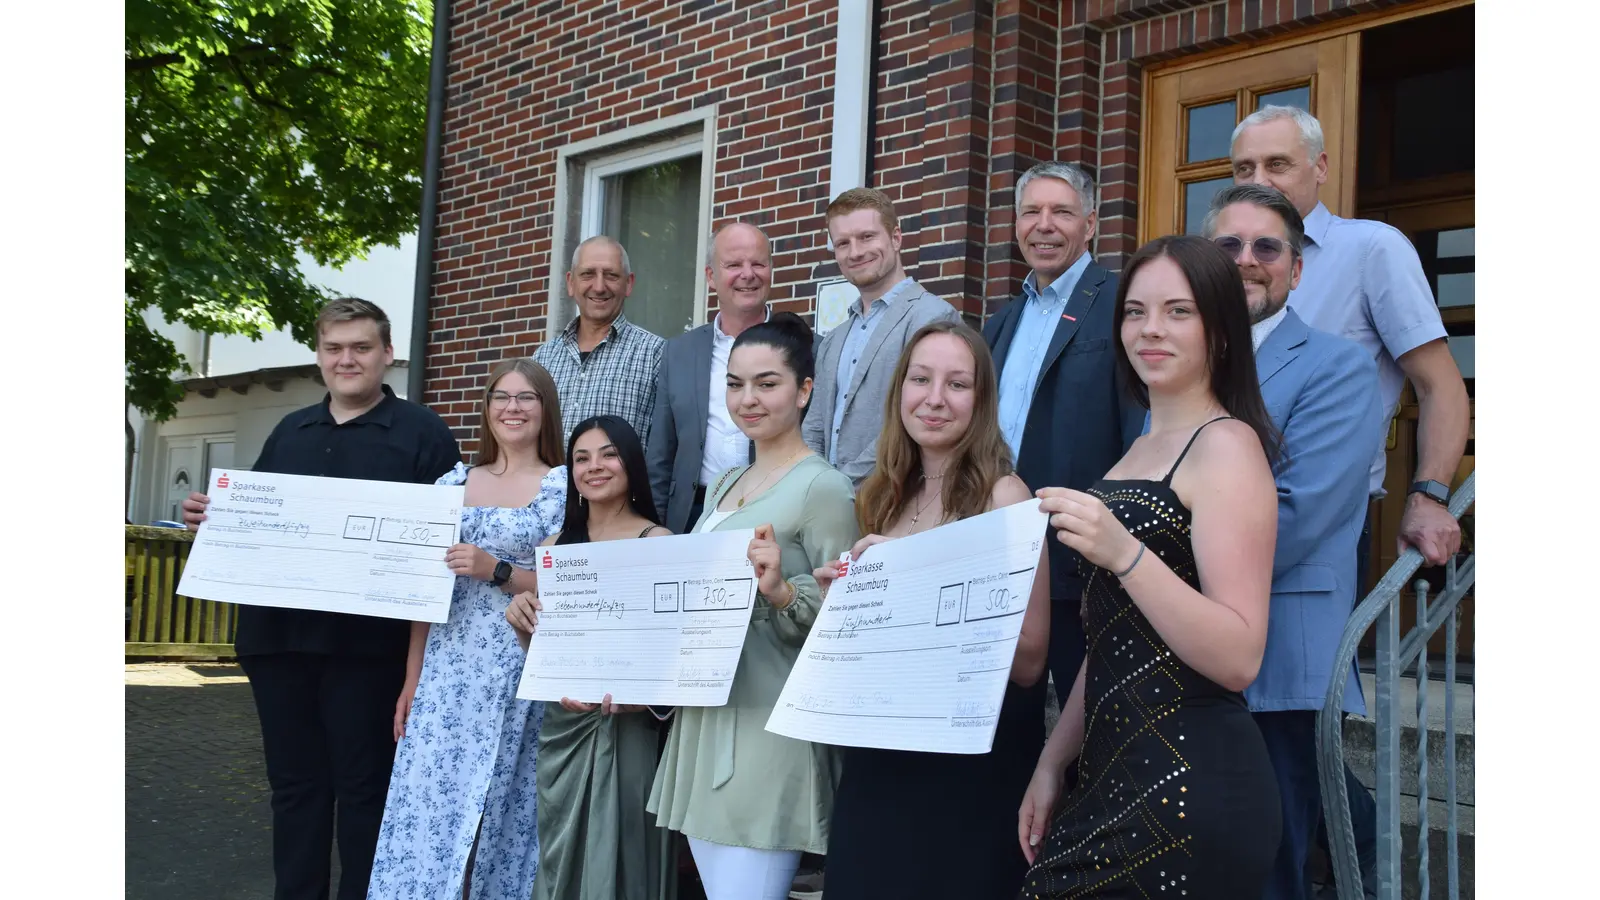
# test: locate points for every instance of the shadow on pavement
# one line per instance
(197, 809)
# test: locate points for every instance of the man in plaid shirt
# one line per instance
(602, 363)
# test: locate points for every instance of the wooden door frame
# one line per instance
(1309, 34)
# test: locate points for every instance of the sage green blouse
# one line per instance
(723, 777)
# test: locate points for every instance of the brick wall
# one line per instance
(967, 94)
(527, 78)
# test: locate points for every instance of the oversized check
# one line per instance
(659, 621)
(912, 649)
(375, 548)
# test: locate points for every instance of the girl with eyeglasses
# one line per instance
(462, 793)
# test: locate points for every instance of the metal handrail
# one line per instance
(1394, 656)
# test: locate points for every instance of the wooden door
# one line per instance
(1193, 108)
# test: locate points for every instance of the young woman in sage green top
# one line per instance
(750, 801)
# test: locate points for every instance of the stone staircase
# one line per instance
(1360, 737)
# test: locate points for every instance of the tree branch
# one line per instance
(256, 95)
(145, 63)
(133, 64)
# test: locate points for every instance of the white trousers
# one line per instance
(744, 873)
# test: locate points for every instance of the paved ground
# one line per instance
(197, 810)
(197, 813)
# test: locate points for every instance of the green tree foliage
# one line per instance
(255, 129)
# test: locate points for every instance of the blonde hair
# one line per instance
(549, 444)
(980, 459)
(860, 198)
(348, 309)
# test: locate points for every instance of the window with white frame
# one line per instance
(650, 189)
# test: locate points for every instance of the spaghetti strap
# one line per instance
(1174, 470)
(647, 530)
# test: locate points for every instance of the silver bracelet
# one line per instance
(1136, 557)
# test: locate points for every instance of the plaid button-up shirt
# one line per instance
(618, 378)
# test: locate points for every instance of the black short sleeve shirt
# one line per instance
(394, 441)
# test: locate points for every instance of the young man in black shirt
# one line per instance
(326, 684)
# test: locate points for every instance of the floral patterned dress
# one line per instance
(470, 745)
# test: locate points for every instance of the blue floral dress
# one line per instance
(470, 745)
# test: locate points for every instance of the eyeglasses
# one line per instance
(1264, 249)
(502, 399)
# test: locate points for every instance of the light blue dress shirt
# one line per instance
(1362, 280)
(1041, 313)
(855, 343)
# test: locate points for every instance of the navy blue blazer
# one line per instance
(1322, 393)
(1083, 418)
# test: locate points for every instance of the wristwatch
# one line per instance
(1433, 490)
(502, 573)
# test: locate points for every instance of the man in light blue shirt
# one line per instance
(1363, 280)
(1042, 309)
(1064, 411)
(856, 360)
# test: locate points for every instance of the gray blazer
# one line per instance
(863, 416)
(678, 427)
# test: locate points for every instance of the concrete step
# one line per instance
(1438, 846)
(1360, 733)
(1438, 854)
(1360, 739)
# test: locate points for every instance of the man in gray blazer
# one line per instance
(693, 439)
(856, 361)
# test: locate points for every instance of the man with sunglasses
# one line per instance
(1322, 393)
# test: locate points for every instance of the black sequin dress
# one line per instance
(1176, 796)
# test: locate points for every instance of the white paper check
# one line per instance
(374, 548)
(659, 621)
(912, 649)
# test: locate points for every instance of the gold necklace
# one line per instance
(746, 495)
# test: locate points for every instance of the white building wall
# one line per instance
(244, 419)
(386, 277)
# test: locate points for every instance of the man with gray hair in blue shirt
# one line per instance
(1363, 280)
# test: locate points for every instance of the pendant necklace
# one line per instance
(746, 495)
(918, 514)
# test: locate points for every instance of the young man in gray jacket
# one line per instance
(856, 360)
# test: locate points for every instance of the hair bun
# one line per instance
(792, 325)
(790, 335)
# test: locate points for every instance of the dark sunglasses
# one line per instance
(1264, 249)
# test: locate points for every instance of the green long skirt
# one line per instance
(596, 841)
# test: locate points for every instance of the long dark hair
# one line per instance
(575, 530)
(1219, 296)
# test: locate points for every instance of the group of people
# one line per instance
(1208, 512)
